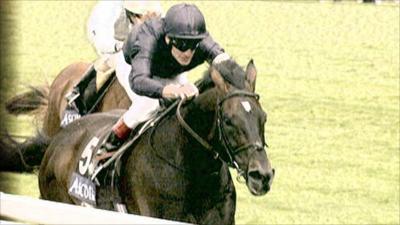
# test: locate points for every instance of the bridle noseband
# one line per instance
(229, 150)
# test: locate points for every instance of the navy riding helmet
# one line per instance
(185, 21)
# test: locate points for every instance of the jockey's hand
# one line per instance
(171, 91)
(189, 90)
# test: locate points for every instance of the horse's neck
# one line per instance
(174, 146)
(200, 116)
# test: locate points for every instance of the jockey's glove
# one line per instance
(189, 90)
(220, 58)
(186, 91)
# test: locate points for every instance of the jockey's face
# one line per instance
(182, 52)
(183, 58)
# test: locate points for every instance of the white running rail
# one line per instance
(30, 210)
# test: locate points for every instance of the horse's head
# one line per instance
(240, 124)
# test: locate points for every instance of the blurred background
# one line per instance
(328, 76)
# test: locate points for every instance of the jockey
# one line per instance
(108, 27)
(159, 52)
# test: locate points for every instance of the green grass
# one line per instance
(328, 75)
(21, 184)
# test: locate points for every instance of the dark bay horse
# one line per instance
(168, 173)
(48, 104)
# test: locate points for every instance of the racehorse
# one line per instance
(49, 103)
(179, 168)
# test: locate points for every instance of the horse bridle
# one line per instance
(229, 150)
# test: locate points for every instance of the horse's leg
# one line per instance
(222, 212)
(177, 211)
(221, 204)
(161, 207)
(156, 191)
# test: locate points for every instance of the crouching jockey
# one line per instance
(108, 27)
(159, 52)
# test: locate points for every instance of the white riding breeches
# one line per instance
(142, 107)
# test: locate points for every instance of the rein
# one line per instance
(192, 132)
(147, 125)
(103, 90)
(230, 151)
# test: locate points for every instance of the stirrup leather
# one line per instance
(72, 96)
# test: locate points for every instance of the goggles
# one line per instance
(185, 44)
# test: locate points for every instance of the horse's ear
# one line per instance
(219, 80)
(251, 75)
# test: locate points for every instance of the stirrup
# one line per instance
(110, 147)
(110, 144)
(72, 96)
(103, 155)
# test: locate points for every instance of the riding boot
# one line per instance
(120, 132)
(89, 97)
(77, 94)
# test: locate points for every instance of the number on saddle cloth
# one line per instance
(80, 186)
(86, 177)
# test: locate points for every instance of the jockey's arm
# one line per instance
(143, 84)
(138, 54)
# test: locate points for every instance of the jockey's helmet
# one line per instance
(142, 7)
(185, 21)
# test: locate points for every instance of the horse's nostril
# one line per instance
(255, 175)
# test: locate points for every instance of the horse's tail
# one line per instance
(22, 156)
(34, 101)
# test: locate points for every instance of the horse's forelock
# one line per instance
(229, 70)
(232, 73)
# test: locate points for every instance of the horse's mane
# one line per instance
(229, 70)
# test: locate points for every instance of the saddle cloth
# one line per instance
(98, 168)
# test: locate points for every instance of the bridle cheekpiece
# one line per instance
(229, 150)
